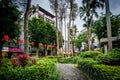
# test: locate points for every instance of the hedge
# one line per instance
(112, 58)
(45, 69)
(68, 60)
(99, 71)
(89, 54)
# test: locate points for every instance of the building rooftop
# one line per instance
(46, 12)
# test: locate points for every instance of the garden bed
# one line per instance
(44, 69)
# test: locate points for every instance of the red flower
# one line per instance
(23, 59)
(15, 63)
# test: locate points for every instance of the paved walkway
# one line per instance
(69, 72)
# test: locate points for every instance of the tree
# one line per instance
(9, 21)
(74, 12)
(71, 2)
(90, 7)
(62, 7)
(100, 28)
(81, 38)
(54, 7)
(41, 32)
(26, 36)
(73, 33)
(108, 25)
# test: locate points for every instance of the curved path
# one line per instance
(69, 72)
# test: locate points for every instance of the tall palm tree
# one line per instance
(26, 37)
(64, 17)
(61, 12)
(84, 14)
(71, 2)
(74, 13)
(92, 5)
(54, 6)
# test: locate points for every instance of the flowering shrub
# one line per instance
(23, 59)
(15, 63)
(45, 69)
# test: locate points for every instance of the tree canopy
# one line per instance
(100, 28)
(9, 21)
(81, 38)
(41, 31)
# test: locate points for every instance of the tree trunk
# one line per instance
(46, 52)
(109, 34)
(70, 18)
(61, 30)
(37, 51)
(1, 45)
(26, 38)
(65, 32)
(57, 40)
(90, 33)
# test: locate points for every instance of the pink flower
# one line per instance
(15, 62)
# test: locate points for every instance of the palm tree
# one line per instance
(84, 14)
(71, 2)
(74, 13)
(54, 6)
(61, 12)
(64, 16)
(92, 5)
(26, 37)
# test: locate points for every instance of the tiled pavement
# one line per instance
(69, 72)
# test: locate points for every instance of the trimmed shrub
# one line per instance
(69, 60)
(112, 71)
(97, 71)
(54, 57)
(44, 69)
(112, 58)
(89, 54)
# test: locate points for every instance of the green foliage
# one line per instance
(112, 58)
(68, 60)
(79, 53)
(97, 71)
(100, 28)
(45, 69)
(112, 71)
(9, 21)
(41, 31)
(54, 57)
(89, 54)
(81, 38)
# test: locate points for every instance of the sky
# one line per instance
(114, 8)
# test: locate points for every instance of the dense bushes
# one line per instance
(89, 54)
(94, 64)
(44, 69)
(99, 71)
(68, 60)
(112, 58)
